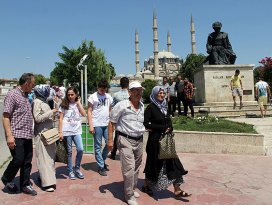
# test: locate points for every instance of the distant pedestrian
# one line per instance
(127, 118)
(99, 106)
(172, 97)
(51, 97)
(62, 91)
(236, 88)
(188, 97)
(165, 86)
(18, 125)
(117, 97)
(180, 94)
(262, 93)
(70, 113)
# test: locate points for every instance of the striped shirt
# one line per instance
(16, 104)
(127, 120)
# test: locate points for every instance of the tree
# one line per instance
(97, 66)
(148, 85)
(40, 79)
(264, 71)
(192, 63)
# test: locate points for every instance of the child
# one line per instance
(70, 114)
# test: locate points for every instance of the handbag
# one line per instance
(50, 136)
(61, 152)
(167, 148)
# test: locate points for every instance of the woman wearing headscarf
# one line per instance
(45, 154)
(160, 173)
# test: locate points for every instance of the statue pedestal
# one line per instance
(212, 83)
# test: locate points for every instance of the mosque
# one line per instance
(163, 63)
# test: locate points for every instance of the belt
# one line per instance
(129, 137)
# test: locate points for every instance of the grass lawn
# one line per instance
(211, 124)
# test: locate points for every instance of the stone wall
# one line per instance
(218, 143)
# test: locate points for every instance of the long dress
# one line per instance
(159, 173)
(45, 154)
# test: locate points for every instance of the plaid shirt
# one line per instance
(16, 104)
(188, 91)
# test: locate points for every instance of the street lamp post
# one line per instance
(80, 68)
(86, 93)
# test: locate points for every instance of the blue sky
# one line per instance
(34, 31)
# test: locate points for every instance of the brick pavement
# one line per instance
(212, 179)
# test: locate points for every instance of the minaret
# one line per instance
(169, 42)
(137, 52)
(193, 41)
(156, 49)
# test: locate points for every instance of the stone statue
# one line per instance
(219, 48)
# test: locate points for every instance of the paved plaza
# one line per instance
(213, 179)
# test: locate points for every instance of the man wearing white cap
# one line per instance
(127, 117)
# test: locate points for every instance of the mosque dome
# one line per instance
(166, 54)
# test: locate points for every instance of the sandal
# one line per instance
(147, 190)
(182, 194)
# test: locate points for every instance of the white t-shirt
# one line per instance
(71, 124)
(101, 109)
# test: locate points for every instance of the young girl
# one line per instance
(71, 111)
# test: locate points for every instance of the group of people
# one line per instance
(123, 113)
(19, 116)
(179, 92)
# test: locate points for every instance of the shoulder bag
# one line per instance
(167, 149)
(50, 136)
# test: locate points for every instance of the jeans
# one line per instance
(21, 159)
(100, 157)
(79, 147)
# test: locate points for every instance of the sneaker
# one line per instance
(102, 172)
(79, 174)
(29, 190)
(106, 167)
(11, 187)
(132, 201)
(72, 176)
(136, 194)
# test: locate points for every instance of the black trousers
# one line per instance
(172, 105)
(21, 159)
(188, 103)
(180, 98)
(114, 149)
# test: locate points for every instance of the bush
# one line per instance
(264, 71)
